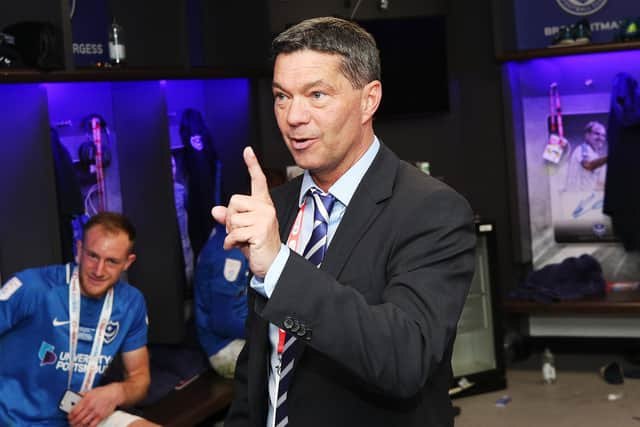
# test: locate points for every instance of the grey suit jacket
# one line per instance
(378, 319)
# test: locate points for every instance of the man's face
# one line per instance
(597, 136)
(102, 257)
(321, 116)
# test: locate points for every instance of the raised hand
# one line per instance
(251, 221)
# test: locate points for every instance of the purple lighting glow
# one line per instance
(227, 98)
(571, 72)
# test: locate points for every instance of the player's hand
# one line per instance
(251, 221)
(95, 405)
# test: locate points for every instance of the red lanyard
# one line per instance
(555, 110)
(292, 243)
(281, 337)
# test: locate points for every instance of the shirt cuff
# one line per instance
(265, 286)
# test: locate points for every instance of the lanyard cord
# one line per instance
(74, 327)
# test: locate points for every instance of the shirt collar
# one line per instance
(344, 188)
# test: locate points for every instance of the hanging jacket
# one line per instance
(622, 194)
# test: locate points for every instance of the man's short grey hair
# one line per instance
(360, 56)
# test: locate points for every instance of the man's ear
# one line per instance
(78, 250)
(130, 259)
(371, 97)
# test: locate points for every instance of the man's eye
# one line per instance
(279, 96)
(317, 95)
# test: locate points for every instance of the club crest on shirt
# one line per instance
(232, 269)
(47, 354)
(9, 288)
(111, 331)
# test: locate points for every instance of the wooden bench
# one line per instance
(205, 397)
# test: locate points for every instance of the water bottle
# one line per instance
(117, 53)
(548, 367)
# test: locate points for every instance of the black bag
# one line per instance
(39, 44)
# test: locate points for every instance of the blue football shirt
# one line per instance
(34, 342)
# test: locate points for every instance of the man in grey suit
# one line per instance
(354, 301)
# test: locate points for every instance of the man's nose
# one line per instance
(100, 267)
(298, 112)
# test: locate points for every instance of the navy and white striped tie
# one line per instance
(317, 246)
(314, 252)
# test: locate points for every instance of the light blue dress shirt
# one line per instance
(343, 190)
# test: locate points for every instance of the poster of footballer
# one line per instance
(577, 181)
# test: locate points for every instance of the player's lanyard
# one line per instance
(292, 242)
(74, 327)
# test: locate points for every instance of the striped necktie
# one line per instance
(314, 252)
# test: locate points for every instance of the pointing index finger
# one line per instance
(259, 187)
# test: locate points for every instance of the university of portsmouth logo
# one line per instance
(581, 7)
(111, 331)
(46, 354)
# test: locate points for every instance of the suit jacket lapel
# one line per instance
(375, 187)
(366, 204)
